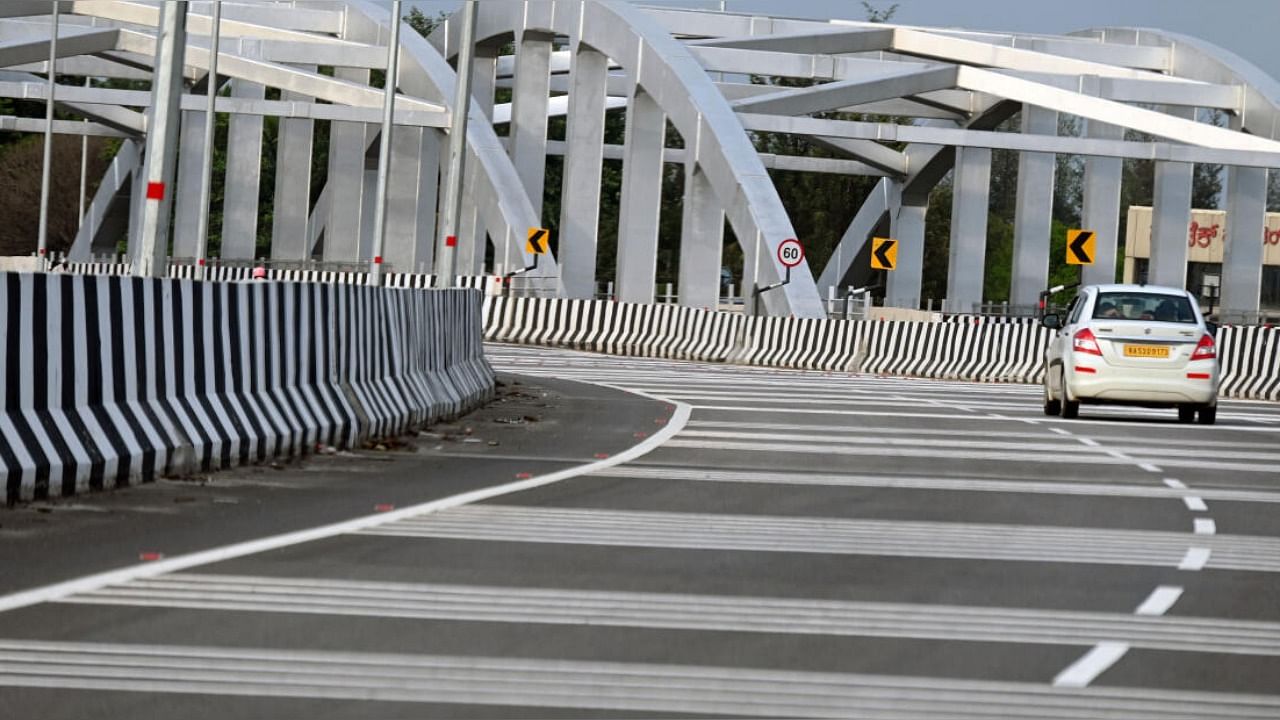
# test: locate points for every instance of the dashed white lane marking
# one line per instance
(1160, 600)
(1089, 441)
(1195, 559)
(1205, 526)
(1176, 484)
(1083, 671)
(1195, 503)
(1150, 468)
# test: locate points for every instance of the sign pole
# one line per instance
(452, 208)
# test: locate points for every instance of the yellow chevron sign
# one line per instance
(538, 242)
(1080, 247)
(884, 253)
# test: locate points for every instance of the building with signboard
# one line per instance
(1206, 246)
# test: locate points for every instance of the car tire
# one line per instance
(1208, 415)
(1051, 407)
(1070, 409)
(1186, 413)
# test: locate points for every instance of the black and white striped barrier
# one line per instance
(667, 331)
(1250, 357)
(112, 380)
(973, 348)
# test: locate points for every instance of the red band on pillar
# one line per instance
(377, 259)
(451, 241)
(200, 262)
(155, 191)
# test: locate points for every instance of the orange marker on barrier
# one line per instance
(150, 556)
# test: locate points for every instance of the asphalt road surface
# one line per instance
(774, 544)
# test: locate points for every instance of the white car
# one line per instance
(1133, 345)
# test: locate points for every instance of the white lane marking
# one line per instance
(1160, 600)
(1088, 441)
(1150, 468)
(1195, 559)
(1059, 431)
(1205, 526)
(1092, 664)
(89, 583)
(1176, 484)
(1195, 503)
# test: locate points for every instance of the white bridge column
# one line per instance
(1241, 280)
(244, 172)
(345, 186)
(289, 240)
(411, 199)
(906, 225)
(701, 240)
(641, 200)
(186, 200)
(1171, 216)
(1034, 211)
(1101, 207)
(529, 99)
(471, 233)
(583, 163)
(969, 210)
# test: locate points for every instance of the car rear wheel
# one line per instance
(1070, 409)
(1051, 407)
(1208, 415)
(1186, 413)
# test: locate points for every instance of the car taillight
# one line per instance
(1205, 349)
(1084, 342)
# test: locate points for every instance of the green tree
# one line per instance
(876, 15)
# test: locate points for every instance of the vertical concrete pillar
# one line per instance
(347, 149)
(244, 171)
(428, 198)
(1101, 207)
(293, 187)
(1242, 256)
(906, 225)
(1171, 216)
(411, 194)
(472, 235)
(969, 210)
(186, 201)
(471, 231)
(701, 240)
(583, 163)
(529, 98)
(1034, 211)
(641, 202)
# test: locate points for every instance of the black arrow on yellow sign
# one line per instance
(884, 254)
(1080, 247)
(538, 242)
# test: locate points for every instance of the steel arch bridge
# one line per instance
(660, 65)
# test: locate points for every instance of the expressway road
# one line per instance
(781, 544)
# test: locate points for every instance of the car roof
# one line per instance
(1134, 287)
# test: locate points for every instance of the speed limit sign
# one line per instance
(790, 253)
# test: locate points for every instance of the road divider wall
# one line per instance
(113, 380)
(969, 348)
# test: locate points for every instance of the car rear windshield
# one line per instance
(1144, 306)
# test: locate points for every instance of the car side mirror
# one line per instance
(1051, 321)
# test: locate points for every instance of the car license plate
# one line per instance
(1146, 351)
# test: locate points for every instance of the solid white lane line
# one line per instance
(1177, 484)
(1205, 526)
(1092, 664)
(89, 583)
(1195, 503)
(1195, 559)
(1159, 601)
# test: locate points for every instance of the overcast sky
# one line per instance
(1249, 28)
